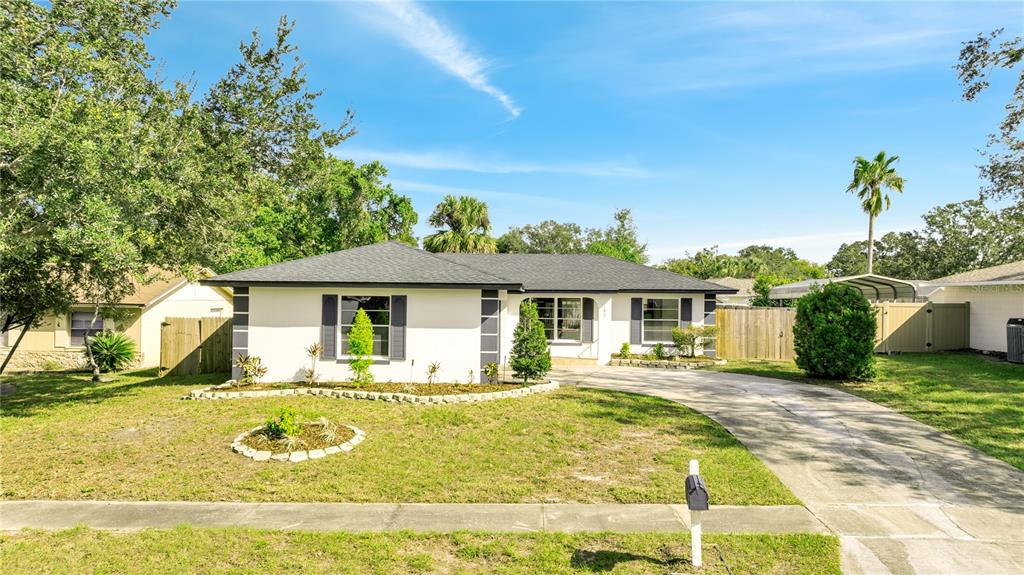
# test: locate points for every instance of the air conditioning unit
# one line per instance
(1015, 340)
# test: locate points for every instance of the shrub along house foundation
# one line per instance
(455, 309)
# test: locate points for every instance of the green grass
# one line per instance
(186, 550)
(62, 437)
(976, 399)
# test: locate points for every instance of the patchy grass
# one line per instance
(62, 437)
(187, 550)
(976, 399)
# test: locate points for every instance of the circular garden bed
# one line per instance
(311, 440)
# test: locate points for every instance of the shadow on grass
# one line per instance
(37, 392)
(603, 561)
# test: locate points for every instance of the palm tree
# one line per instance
(869, 179)
(464, 227)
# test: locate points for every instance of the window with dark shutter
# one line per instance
(398, 313)
(329, 326)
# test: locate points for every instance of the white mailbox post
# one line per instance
(697, 501)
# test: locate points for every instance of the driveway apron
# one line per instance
(903, 497)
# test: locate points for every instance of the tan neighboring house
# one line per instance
(743, 295)
(57, 342)
(995, 294)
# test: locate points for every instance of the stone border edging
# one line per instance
(295, 456)
(213, 393)
(664, 363)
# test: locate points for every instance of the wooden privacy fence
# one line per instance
(195, 345)
(767, 333)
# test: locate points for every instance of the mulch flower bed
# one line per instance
(311, 436)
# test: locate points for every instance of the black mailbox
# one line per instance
(696, 493)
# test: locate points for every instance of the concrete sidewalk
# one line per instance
(131, 516)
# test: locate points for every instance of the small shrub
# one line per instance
(328, 431)
(686, 339)
(470, 377)
(659, 351)
(530, 356)
(491, 372)
(834, 333)
(52, 365)
(283, 425)
(360, 341)
(624, 350)
(111, 350)
(251, 367)
(432, 370)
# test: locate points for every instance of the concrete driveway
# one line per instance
(903, 497)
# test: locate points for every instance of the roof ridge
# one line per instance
(468, 267)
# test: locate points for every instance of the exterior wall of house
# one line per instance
(191, 300)
(612, 316)
(48, 345)
(442, 325)
(991, 306)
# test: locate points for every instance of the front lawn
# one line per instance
(186, 550)
(62, 437)
(976, 399)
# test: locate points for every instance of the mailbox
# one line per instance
(696, 493)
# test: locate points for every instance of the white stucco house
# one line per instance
(455, 309)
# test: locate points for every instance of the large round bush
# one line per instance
(834, 333)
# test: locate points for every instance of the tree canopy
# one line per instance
(979, 58)
(956, 237)
(463, 226)
(109, 172)
(749, 262)
(618, 240)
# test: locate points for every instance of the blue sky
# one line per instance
(725, 124)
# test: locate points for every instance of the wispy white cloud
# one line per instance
(405, 186)
(459, 162)
(422, 32)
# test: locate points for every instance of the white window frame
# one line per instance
(643, 321)
(97, 327)
(341, 326)
(558, 318)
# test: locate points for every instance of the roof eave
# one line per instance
(404, 285)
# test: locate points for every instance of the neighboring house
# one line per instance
(744, 290)
(995, 295)
(58, 341)
(456, 309)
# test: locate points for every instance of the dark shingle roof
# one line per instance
(392, 263)
(583, 272)
(387, 263)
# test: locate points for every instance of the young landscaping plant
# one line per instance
(834, 333)
(432, 370)
(624, 350)
(251, 367)
(283, 425)
(530, 356)
(491, 372)
(360, 342)
(659, 351)
(313, 353)
(111, 350)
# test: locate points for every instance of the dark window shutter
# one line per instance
(399, 303)
(636, 320)
(329, 326)
(686, 315)
(588, 320)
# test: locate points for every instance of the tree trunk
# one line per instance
(88, 348)
(17, 342)
(871, 242)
